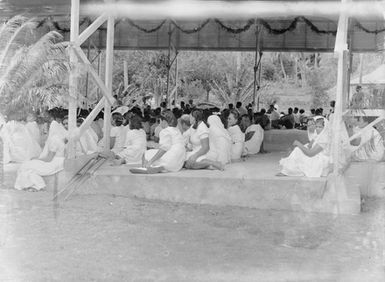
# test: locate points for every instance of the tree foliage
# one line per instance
(33, 67)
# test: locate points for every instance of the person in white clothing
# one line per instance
(19, 146)
(185, 128)
(237, 136)
(309, 160)
(30, 174)
(88, 141)
(253, 136)
(171, 153)
(135, 143)
(198, 158)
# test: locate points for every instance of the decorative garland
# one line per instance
(359, 25)
(144, 29)
(235, 30)
(190, 31)
(292, 26)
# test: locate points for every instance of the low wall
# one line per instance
(282, 139)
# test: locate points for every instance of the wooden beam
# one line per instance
(108, 80)
(91, 29)
(342, 53)
(90, 118)
(373, 123)
(108, 94)
(72, 105)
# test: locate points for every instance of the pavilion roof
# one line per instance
(306, 34)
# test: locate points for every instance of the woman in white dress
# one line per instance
(171, 153)
(135, 145)
(88, 142)
(117, 134)
(253, 136)
(237, 136)
(201, 157)
(311, 160)
(30, 174)
(19, 146)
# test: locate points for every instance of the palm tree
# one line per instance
(33, 67)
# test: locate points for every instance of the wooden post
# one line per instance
(340, 50)
(361, 64)
(73, 80)
(108, 80)
(176, 78)
(125, 74)
(168, 66)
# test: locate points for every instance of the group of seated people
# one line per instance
(166, 141)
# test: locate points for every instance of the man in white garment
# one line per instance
(253, 136)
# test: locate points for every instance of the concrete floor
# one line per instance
(107, 238)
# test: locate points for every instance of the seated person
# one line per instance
(310, 160)
(135, 144)
(237, 136)
(171, 153)
(370, 144)
(186, 130)
(30, 174)
(117, 134)
(18, 144)
(253, 136)
(88, 141)
(288, 120)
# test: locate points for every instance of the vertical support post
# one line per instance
(337, 117)
(168, 65)
(125, 74)
(256, 62)
(73, 79)
(361, 65)
(259, 77)
(108, 79)
(176, 78)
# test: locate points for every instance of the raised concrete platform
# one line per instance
(251, 183)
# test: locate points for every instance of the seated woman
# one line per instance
(370, 144)
(135, 145)
(171, 153)
(88, 142)
(30, 174)
(19, 146)
(253, 136)
(311, 160)
(186, 130)
(117, 134)
(199, 141)
(237, 136)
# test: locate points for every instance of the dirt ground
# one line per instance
(109, 238)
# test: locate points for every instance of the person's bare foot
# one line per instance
(30, 189)
(117, 162)
(280, 174)
(219, 166)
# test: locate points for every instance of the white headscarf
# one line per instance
(217, 128)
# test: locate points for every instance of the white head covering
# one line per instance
(217, 128)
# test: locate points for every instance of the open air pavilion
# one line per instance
(341, 27)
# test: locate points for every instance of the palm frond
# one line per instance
(17, 40)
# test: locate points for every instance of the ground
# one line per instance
(109, 238)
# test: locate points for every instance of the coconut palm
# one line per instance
(33, 67)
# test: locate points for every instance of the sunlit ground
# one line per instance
(106, 238)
